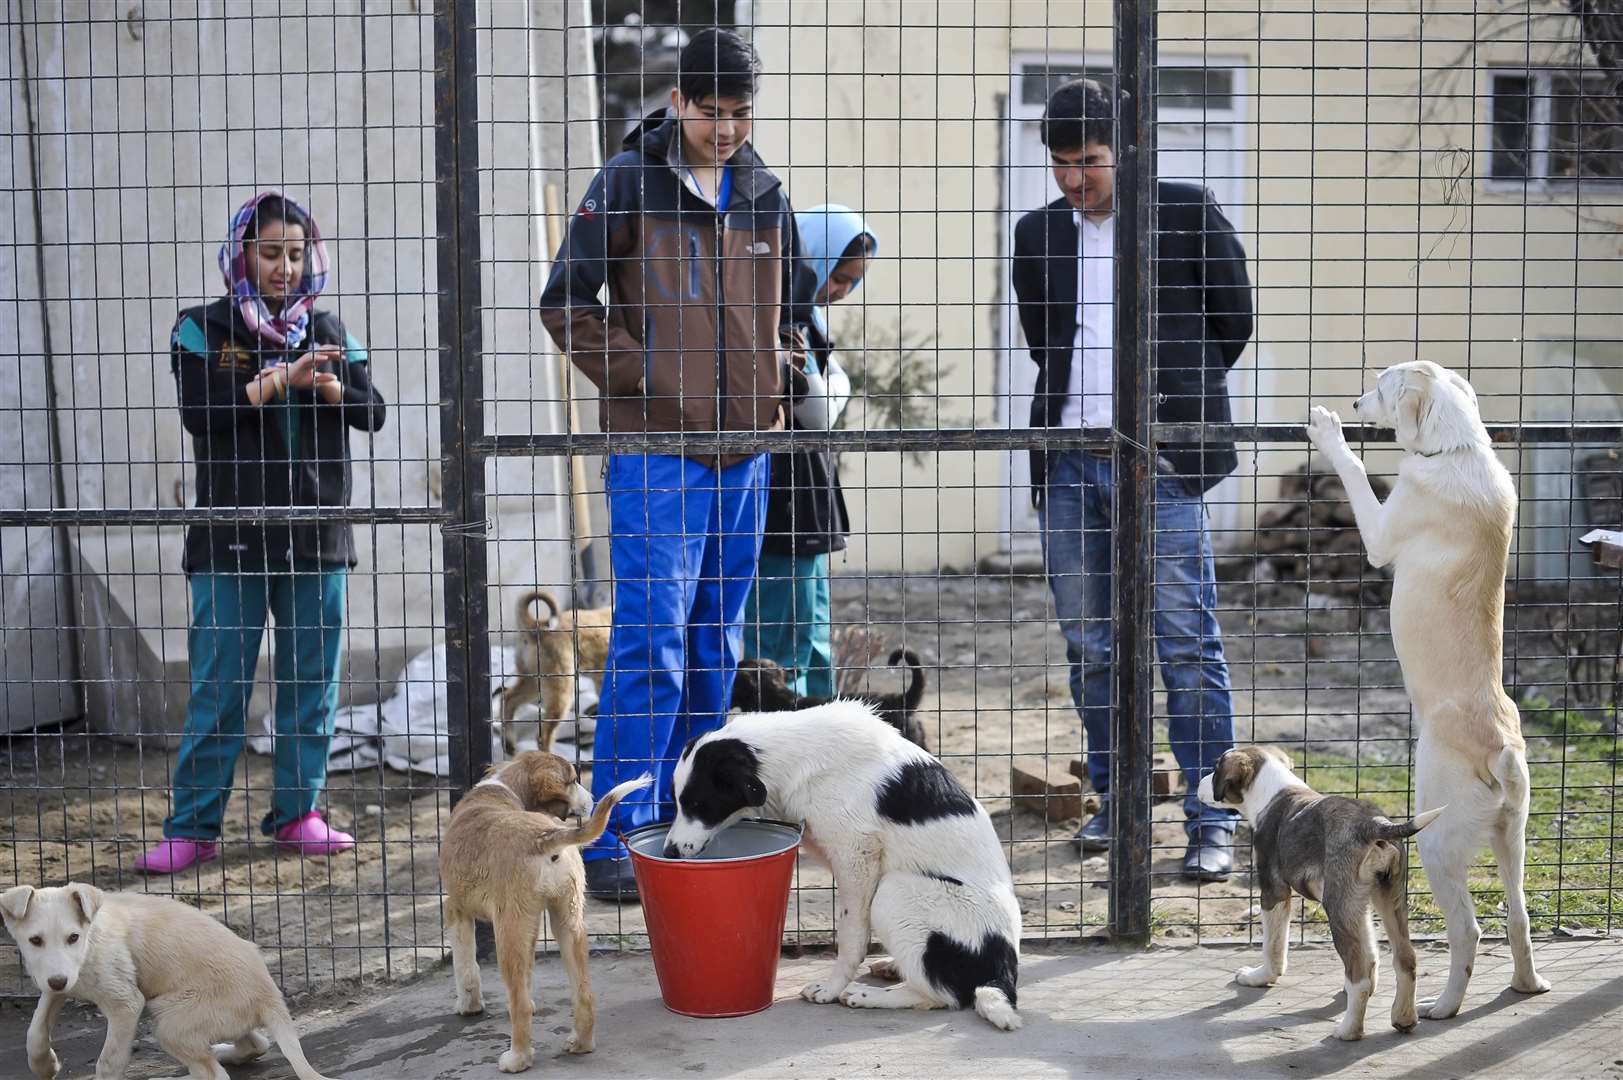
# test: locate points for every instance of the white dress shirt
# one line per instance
(1087, 399)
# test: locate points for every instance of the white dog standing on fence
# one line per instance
(1446, 531)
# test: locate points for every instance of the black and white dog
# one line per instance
(915, 859)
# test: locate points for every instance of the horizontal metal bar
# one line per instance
(749, 442)
(923, 440)
(90, 517)
(1504, 434)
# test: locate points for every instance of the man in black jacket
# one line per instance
(1064, 281)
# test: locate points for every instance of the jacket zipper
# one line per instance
(291, 429)
(721, 329)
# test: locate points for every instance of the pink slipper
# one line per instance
(176, 854)
(311, 835)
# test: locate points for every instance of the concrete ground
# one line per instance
(1089, 1012)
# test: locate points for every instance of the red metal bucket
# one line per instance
(715, 921)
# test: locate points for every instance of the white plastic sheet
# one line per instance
(407, 731)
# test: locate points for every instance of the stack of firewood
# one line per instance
(1311, 536)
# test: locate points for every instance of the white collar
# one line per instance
(1083, 219)
(496, 781)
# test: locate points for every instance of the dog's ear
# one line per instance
(1280, 756)
(740, 771)
(1411, 406)
(1234, 774)
(14, 902)
(1459, 382)
(87, 899)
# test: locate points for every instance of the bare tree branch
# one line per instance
(1600, 22)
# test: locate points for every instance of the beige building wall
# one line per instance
(1373, 236)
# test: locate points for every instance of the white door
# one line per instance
(1200, 153)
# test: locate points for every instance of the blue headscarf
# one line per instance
(825, 232)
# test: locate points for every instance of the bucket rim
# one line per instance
(798, 828)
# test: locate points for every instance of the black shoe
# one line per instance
(611, 879)
(1095, 835)
(1210, 856)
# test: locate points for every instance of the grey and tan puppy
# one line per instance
(1340, 852)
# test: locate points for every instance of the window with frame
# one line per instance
(1177, 86)
(1551, 126)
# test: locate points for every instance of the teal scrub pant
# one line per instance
(787, 621)
(228, 623)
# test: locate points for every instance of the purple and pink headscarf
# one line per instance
(288, 327)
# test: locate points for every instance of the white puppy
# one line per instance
(122, 951)
(915, 858)
(1445, 530)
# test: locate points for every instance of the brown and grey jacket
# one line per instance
(699, 300)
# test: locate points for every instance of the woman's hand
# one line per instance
(328, 387)
(269, 385)
(301, 373)
(794, 347)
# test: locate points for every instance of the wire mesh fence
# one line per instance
(1294, 197)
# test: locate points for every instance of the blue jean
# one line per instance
(684, 542)
(228, 624)
(787, 621)
(1076, 521)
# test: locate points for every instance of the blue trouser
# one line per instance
(684, 542)
(1075, 521)
(228, 623)
(787, 621)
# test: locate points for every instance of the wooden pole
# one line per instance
(554, 207)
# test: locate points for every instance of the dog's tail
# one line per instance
(995, 996)
(1394, 831)
(557, 839)
(528, 601)
(282, 1032)
(996, 1009)
(1510, 769)
(915, 689)
(1384, 856)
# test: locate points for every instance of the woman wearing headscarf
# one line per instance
(269, 390)
(787, 620)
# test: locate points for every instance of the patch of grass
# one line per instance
(1572, 877)
(1163, 920)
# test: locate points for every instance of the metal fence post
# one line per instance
(456, 164)
(1132, 539)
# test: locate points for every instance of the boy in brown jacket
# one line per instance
(693, 237)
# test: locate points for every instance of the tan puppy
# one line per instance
(507, 858)
(124, 951)
(551, 653)
(1445, 529)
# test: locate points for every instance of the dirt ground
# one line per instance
(1317, 674)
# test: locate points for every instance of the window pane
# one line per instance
(1195, 88)
(1177, 87)
(1512, 129)
(1037, 81)
(1586, 129)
